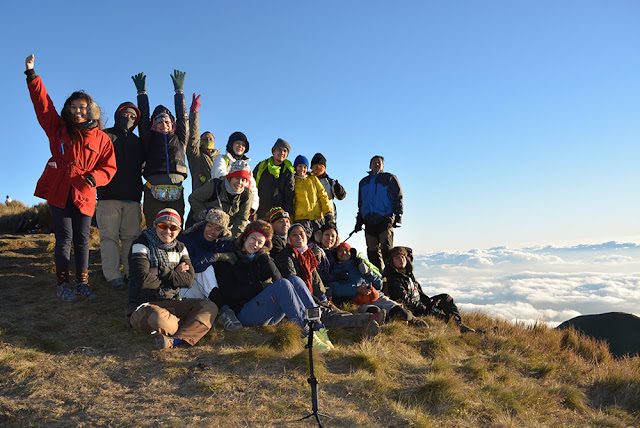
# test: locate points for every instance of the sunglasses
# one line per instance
(171, 227)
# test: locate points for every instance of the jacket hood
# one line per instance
(162, 110)
(122, 106)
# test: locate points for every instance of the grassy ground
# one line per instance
(77, 364)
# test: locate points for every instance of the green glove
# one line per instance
(178, 80)
(140, 82)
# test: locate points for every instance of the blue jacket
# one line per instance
(379, 195)
(202, 252)
(348, 288)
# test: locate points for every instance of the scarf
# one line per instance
(230, 191)
(158, 249)
(274, 170)
(308, 263)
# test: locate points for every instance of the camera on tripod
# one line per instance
(313, 314)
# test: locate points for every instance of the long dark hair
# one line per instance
(78, 130)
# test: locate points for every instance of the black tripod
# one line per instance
(312, 379)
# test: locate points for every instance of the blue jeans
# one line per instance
(69, 224)
(285, 297)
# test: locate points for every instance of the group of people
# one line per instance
(258, 245)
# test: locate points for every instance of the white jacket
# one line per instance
(220, 168)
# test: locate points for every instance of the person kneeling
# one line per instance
(159, 265)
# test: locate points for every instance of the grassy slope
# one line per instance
(75, 364)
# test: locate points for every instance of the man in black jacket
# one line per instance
(118, 212)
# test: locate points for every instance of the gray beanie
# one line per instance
(281, 143)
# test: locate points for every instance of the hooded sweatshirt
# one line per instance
(126, 184)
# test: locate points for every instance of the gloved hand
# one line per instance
(341, 276)
(140, 81)
(90, 180)
(195, 104)
(226, 257)
(329, 218)
(178, 80)
(364, 269)
(397, 222)
(358, 226)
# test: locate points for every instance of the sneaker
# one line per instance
(318, 344)
(465, 328)
(323, 335)
(65, 292)
(229, 321)
(117, 284)
(417, 322)
(371, 330)
(160, 341)
(84, 289)
(380, 316)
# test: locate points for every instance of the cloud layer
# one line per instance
(546, 284)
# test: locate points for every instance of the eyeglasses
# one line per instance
(166, 226)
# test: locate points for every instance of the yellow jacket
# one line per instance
(311, 201)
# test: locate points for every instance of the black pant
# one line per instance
(69, 224)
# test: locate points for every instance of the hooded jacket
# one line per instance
(164, 153)
(70, 163)
(214, 194)
(126, 184)
(310, 201)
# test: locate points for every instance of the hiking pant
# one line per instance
(118, 224)
(187, 319)
(69, 224)
(338, 318)
(286, 297)
(393, 309)
(446, 307)
(379, 245)
(151, 206)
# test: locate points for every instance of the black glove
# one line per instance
(140, 82)
(397, 222)
(341, 276)
(90, 180)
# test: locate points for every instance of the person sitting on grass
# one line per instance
(159, 266)
(207, 242)
(358, 281)
(403, 287)
(252, 286)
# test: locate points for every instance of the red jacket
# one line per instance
(70, 163)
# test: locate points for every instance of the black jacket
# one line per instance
(126, 184)
(160, 148)
(275, 192)
(242, 279)
(289, 265)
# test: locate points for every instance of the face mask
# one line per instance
(126, 123)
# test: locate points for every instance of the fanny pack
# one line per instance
(165, 192)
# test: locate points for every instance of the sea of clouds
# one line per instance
(538, 284)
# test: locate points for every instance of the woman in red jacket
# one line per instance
(82, 158)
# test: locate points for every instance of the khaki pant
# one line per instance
(118, 224)
(378, 246)
(186, 319)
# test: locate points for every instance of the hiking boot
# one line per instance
(65, 292)
(160, 341)
(323, 335)
(371, 330)
(417, 322)
(117, 284)
(229, 321)
(84, 289)
(379, 316)
(465, 328)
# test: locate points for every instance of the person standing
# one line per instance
(164, 140)
(331, 186)
(201, 149)
(275, 182)
(82, 158)
(379, 211)
(118, 214)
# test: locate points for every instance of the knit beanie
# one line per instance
(318, 158)
(301, 160)
(281, 143)
(276, 213)
(237, 136)
(130, 110)
(239, 168)
(345, 245)
(168, 214)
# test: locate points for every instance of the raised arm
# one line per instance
(181, 107)
(144, 126)
(193, 148)
(45, 111)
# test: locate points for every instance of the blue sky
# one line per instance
(507, 123)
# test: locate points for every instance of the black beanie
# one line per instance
(318, 159)
(237, 136)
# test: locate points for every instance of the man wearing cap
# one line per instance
(379, 210)
(280, 221)
(331, 186)
(230, 194)
(275, 182)
(159, 267)
(118, 213)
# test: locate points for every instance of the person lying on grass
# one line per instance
(159, 266)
